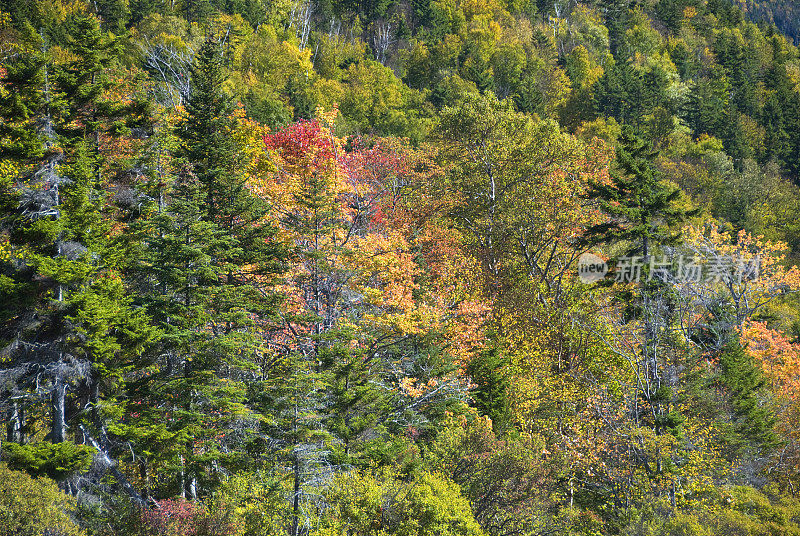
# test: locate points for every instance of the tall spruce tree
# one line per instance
(642, 213)
(492, 388)
(733, 393)
(189, 405)
(79, 338)
(641, 208)
(61, 262)
(750, 418)
(620, 93)
(207, 259)
(84, 83)
(216, 160)
(206, 134)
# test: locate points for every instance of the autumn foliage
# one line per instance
(312, 268)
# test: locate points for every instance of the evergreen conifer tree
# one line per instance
(207, 262)
(491, 393)
(642, 209)
(180, 280)
(642, 213)
(752, 419)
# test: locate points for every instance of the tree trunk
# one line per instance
(112, 468)
(182, 479)
(58, 397)
(296, 498)
(193, 488)
(94, 404)
(145, 476)
(14, 429)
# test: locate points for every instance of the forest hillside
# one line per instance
(399, 267)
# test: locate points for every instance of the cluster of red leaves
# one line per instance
(381, 230)
(179, 517)
(173, 516)
(300, 140)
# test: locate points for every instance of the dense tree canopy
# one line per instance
(430, 267)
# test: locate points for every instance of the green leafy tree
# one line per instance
(430, 504)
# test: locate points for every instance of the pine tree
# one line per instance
(707, 103)
(22, 103)
(252, 257)
(43, 265)
(81, 337)
(75, 334)
(752, 420)
(781, 118)
(642, 209)
(207, 260)
(733, 393)
(491, 393)
(292, 399)
(355, 403)
(642, 213)
(115, 14)
(29, 203)
(215, 159)
(84, 82)
(616, 15)
(206, 134)
(179, 277)
(776, 139)
(620, 93)
(24, 191)
(298, 88)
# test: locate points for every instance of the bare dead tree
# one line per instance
(41, 370)
(170, 65)
(300, 20)
(336, 27)
(382, 40)
(563, 10)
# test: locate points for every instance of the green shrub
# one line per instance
(55, 460)
(257, 503)
(430, 505)
(684, 525)
(33, 506)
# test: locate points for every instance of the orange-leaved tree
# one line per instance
(779, 359)
(363, 334)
